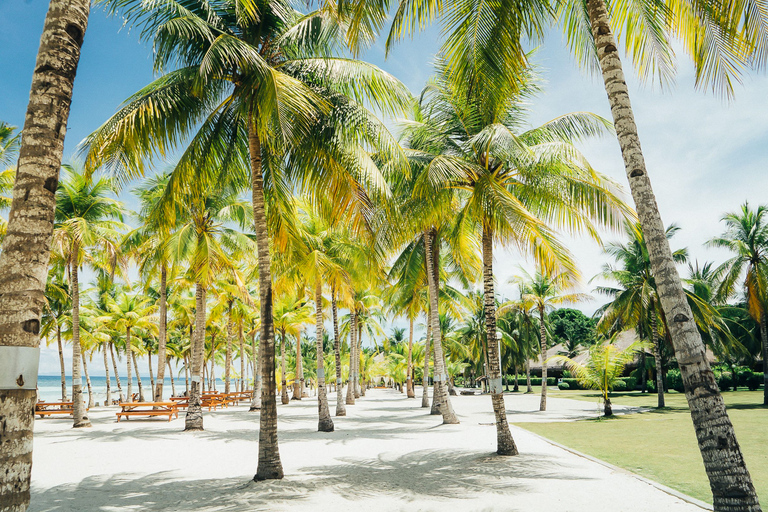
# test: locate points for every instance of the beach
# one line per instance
(387, 454)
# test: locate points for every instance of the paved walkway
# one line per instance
(388, 454)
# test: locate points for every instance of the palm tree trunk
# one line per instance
(87, 380)
(283, 379)
(269, 465)
(505, 445)
(257, 381)
(299, 373)
(358, 344)
(731, 484)
(27, 245)
(409, 374)
(325, 423)
(764, 345)
(170, 373)
(228, 357)
(117, 374)
(359, 377)
(151, 373)
(529, 388)
(657, 355)
(194, 417)
(213, 368)
(352, 350)
(341, 409)
(128, 352)
(138, 377)
(242, 355)
(543, 352)
(63, 367)
(108, 399)
(161, 343)
(186, 375)
(425, 376)
(79, 413)
(516, 387)
(440, 391)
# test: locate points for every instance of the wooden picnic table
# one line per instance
(148, 409)
(44, 409)
(236, 397)
(209, 400)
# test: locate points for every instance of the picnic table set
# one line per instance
(210, 399)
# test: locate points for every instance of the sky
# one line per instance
(705, 156)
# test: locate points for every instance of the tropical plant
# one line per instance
(603, 368)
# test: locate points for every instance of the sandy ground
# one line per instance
(387, 454)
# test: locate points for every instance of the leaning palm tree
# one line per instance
(516, 187)
(746, 236)
(254, 87)
(85, 217)
(27, 244)
(603, 368)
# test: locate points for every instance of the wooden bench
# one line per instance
(44, 409)
(148, 409)
(182, 402)
(238, 396)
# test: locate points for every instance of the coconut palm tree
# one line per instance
(253, 86)
(515, 186)
(746, 236)
(603, 368)
(84, 219)
(27, 244)
(57, 312)
(635, 303)
(544, 292)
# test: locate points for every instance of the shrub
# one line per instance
(753, 380)
(675, 380)
(573, 383)
(631, 382)
(551, 381)
(563, 385)
(620, 385)
(724, 380)
(650, 385)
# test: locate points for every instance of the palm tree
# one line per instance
(56, 313)
(255, 82)
(84, 218)
(514, 185)
(746, 236)
(128, 313)
(204, 240)
(27, 244)
(603, 369)
(543, 292)
(636, 303)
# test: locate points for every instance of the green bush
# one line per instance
(563, 385)
(536, 381)
(572, 383)
(650, 385)
(620, 385)
(753, 380)
(630, 382)
(675, 380)
(724, 380)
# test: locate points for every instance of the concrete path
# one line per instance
(387, 454)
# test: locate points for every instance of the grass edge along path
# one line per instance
(660, 445)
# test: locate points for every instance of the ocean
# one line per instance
(49, 387)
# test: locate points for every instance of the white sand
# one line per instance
(387, 454)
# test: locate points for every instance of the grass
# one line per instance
(661, 445)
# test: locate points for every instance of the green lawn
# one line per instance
(661, 445)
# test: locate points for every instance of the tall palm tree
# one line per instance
(84, 218)
(746, 236)
(254, 81)
(635, 304)
(544, 291)
(515, 187)
(56, 313)
(27, 244)
(205, 240)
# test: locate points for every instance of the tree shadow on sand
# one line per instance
(392, 483)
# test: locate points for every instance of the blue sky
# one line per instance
(704, 156)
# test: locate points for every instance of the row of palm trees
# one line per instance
(254, 97)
